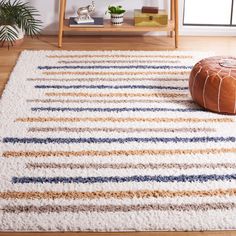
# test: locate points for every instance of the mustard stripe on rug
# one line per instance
(111, 141)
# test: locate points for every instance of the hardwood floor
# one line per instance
(213, 233)
(219, 45)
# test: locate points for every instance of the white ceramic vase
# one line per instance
(20, 34)
(117, 19)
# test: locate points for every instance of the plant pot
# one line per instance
(18, 41)
(117, 19)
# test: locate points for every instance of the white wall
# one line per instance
(49, 11)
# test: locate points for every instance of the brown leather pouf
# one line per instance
(212, 84)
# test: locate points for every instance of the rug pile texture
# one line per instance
(111, 141)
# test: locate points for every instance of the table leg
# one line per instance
(61, 21)
(172, 13)
(176, 23)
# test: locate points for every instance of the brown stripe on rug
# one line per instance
(165, 95)
(9, 154)
(108, 79)
(119, 130)
(117, 208)
(117, 194)
(115, 73)
(106, 101)
(122, 56)
(112, 119)
(118, 61)
(183, 166)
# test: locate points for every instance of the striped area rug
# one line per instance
(111, 141)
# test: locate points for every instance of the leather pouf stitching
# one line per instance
(212, 84)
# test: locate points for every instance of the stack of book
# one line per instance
(98, 23)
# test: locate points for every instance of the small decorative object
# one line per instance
(150, 19)
(84, 14)
(212, 84)
(153, 10)
(17, 19)
(98, 23)
(117, 14)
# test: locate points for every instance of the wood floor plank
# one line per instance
(213, 233)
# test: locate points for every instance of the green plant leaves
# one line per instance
(116, 10)
(8, 35)
(18, 14)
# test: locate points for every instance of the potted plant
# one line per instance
(16, 20)
(117, 14)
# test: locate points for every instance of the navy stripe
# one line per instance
(114, 67)
(116, 179)
(134, 109)
(119, 140)
(108, 87)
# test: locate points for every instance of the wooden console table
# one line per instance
(128, 25)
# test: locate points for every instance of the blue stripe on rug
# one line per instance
(108, 87)
(116, 179)
(114, 67)
(134, 109)
(119, 140)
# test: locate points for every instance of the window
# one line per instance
(210, 12)
(234, 14)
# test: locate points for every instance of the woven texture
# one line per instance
(111, 141)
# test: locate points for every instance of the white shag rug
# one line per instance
(111, 141)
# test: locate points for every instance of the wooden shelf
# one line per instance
(128, 26)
